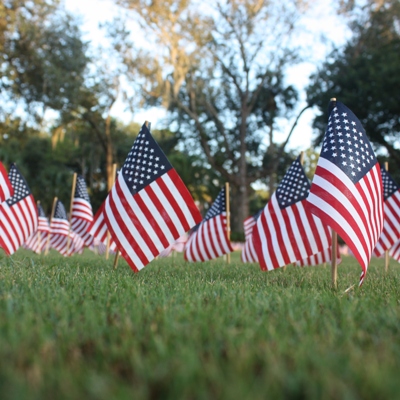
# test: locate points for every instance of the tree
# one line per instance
(42, 57)
(365, 75)
(220, 73)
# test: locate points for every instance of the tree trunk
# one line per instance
(240, 211)
(239, 207)
(109, 154)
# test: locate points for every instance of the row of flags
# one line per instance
(149, 209)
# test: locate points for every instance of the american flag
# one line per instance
(391, 214)
(82, 214)
(149, 206)
(209, 239)
(286, 232)
(249, 253)
(346, 191)
(43, 225)
(18, 214)
(60, 230)
(37, 242)
(6, 189)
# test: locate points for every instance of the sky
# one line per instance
(322, 29)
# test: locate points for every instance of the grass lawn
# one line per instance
(74, 328)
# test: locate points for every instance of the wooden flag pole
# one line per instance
(386, 251)
(108, 233)
(114, 172)
(116, 258)
(70, 209)
(334, 247)
(39, 243)
(51, 218)
(228, 219)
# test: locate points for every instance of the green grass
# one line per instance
(73, 328)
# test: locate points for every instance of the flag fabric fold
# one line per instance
(209, 239)
(285, 231)
(391, 214)
(6, 189)
(82, 214)
(18, 214)
(346, 192)
(149, 207)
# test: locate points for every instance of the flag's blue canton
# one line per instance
(218, 207)
(41, 211)
(21, 189)
(81, 189)
(145, 162)
(346, 144)
(294, 186)
(59, 211)
(389, 185)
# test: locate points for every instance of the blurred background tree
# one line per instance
(365, 75)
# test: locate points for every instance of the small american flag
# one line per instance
(391, 212)
(60, 230)
(37, 242)
(209, 239)
(286, 232)
(6, 189)
(18, 214)
(149, 206)
(82, 214)
(43, 225)
(346, 192)
(249, 254)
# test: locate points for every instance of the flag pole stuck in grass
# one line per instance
(70, 209)
(51, 218)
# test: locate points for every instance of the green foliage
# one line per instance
(75, 328)
(365, 76)
(237, 236)
(43, 57)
